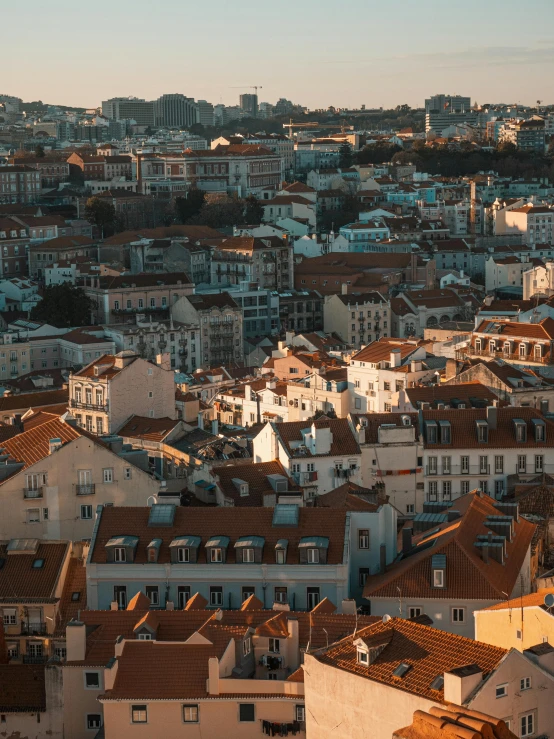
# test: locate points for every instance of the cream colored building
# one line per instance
(392, 669)
(325, 391)
(56, 477)
(112, 388)
(518, 624)
(358, 318)
(538, 281)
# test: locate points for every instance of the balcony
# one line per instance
(531, 358)
(532, 469)
(451, 470)
(89, 489)
(32, 492)
(88, 406)
(304, 478)
(33, 628)
(33, 659)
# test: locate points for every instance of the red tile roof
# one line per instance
(426, 650)
(21, 582)
(381, 350)
(256, 477)
(454, 722)
(22, 689)
(151, 429)
(467, 575)
(343, 441)
(231, 522)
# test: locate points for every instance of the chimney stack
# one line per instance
(406, 539)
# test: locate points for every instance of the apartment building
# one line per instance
(464, 557)
(324, 391)
(150, 339)
(265, 261)
(483, 448)
(57, 474)
(14, 244)
(19, 184)
(251, 402)
(415, 310)
(172, 254)
(112, 388)
(358, 318)
(300, 310)
(538, 279)
(364, 236)
(390, 670)
(319, 457)
(508, 271)
(252, 485)
(220, 327)
(392, 457)
(528, 135)
(532, 222)
(128, 295)
(62, 248)
(380, 373)
(520, 344)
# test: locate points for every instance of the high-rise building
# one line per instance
(249, 105)
(265, 110)
(205, 113)
(140, 110)
(447, 104)
(175, 111)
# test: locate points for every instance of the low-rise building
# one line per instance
(319, 457)
(220, 327)
(358, 318)
(112, 388)
(520, 344)
(525, 623)
(265, 261)
(19, 183)
(462, 558)
(150, 339)
(415, 310)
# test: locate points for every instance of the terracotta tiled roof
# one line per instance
(138, 602)
(21, 582)
(381, 350)
(467, 392)
(193, 233)
(454, 722)
(151, 429)
(231, 522)
(22, 688)
(464, 433)
(31, 446)
(349, 496)
(207, 301)
(256, 477)
(537, 501)
(34, 400)
(107, 363)
(70, 604)
(542, 330)
(372, 421)
(118, 282)
(467, 575)
(297, 676)
(426, 650)
(343, 441)
(527, 601)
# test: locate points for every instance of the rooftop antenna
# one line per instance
(399, 601)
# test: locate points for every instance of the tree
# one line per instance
(224, 212)
(102, 214)
(345, 156)
(39, 151)
(253, 211)
(189, 207)
(64, 306)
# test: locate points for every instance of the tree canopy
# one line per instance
(64, 306)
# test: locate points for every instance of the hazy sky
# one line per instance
(314, 52)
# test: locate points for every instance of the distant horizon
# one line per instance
(306, 52)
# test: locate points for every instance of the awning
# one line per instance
(186, 541)
(311, 542)
(204, 484)
(123, 541)
(250, 541)
(218, 541)
(282, 544)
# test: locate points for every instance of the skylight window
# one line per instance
(401, 670)
(38, 564)
(76, 596)
(161, 514)
(438, 683)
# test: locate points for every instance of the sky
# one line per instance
(314, 52)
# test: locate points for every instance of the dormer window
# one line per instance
(119, 554)
(540, 429)
(482, 432)
(431, 432)
(362, 657)
(313, 556)
(121, 548)
(438, 579)
(249, 549)
(520, 430)
(438, 570)
(153, 550)
(281, 552)
(216, 554)
(183, 554)
(445, 432)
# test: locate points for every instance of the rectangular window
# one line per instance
(247, 713)
(458, 615)
(539, 463)
(139, 714)
(86, 512)
(153, 595)
(313, 556)
(94, 720)
(120, 596)
(527, 723)
(183, 554)
(312, 597)
(92, 680)
(414, 611)
(363, 538)
(107, 475)
(363, 574)
(119, 554)
(246, 647)
(525, 683)
(498, 464)
(501, 690)
(183, 594)
(248, 555)
(446, 489)
(280, 595)
(190, 714)
(438, 578)
(216, 595)
(498, 488)
(127, 473)
(216, 555)
(521, 463)
(274, 646)
(10, 616)
(465, 465)
(300, 713)
(280, 556)
(483, 465)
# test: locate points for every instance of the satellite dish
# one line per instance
(387, 618)
(549, 600)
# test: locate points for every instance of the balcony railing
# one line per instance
(473, 469)
(304, 478)
(32, 659)
(89, 489)
(103, 408)
(32, 492)
(33, 628)
(507, 356)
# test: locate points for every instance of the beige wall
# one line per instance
(315, 398)
(218, 718)
(59, 494)
(79, 701)
(501, 627)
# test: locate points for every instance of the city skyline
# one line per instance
(373, 63)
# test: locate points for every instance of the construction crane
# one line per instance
(249, 87)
